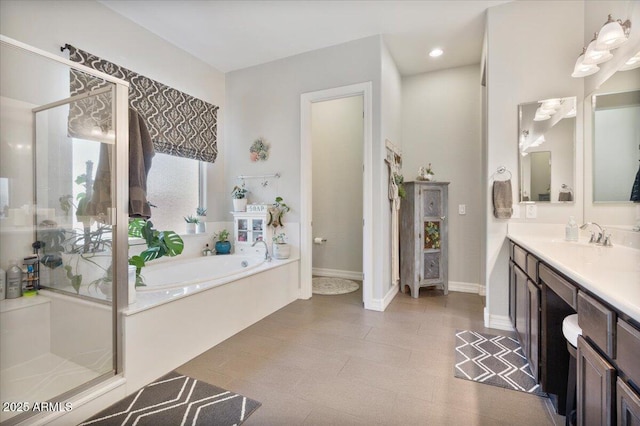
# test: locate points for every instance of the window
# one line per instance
(175, 186)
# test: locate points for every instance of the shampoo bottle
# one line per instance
(571, 230)
(14, 280)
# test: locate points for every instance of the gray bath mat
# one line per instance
(175, 399)
(494, 360)
(330, 285)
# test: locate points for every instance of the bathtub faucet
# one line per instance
(267, 256)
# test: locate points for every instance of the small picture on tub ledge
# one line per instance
(259, 150)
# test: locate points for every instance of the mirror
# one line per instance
(546, 145)
(616, 145)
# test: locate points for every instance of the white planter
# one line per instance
(239, 204)
(190, 228)
(281, 251)
(202, 227)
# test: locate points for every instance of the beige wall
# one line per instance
(442, 125)
(337, 136)
(524, 64)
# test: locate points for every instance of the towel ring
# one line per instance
(501, 171)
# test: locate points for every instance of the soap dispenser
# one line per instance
(571, 230)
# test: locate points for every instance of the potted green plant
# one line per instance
(223, 246)
(281, 249)
(191, 224)
(239, 194)
(201, 212)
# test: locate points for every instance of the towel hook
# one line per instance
(501, 171)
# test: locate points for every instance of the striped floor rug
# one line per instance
(494, 360)
(175, 399)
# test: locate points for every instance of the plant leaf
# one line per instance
(172, 242)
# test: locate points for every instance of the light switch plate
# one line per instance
(532, 211)
(462, 209)
(516, 211)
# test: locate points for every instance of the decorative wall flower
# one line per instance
(259, 151)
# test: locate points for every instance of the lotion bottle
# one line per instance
(3, 284)
(571, 230)
(14, 281)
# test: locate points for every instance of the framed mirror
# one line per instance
(546, 147)
(616, 146)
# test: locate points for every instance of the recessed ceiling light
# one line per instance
(436, 52)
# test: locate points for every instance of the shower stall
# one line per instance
(63, 218)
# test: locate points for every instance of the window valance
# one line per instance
(179, 124)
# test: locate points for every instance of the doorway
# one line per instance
(307, 188)
(337, 147)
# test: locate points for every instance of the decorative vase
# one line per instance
(281, 250)
(201, 227)
(430, 177)
(223, 247)
(191, 228)
(239, 204)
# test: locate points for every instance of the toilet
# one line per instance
(571, 330)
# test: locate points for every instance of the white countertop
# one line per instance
(611, 273)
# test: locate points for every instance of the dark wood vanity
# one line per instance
(608, 355)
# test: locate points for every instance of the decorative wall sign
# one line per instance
(259, 150)
(179, 124)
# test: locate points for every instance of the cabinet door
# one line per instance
(595, 386)
(533, 328)
(242, 230)
(432, 267)
(522, 302)
(257, 229)
(512, 293)
(628, 403)
(432, 202)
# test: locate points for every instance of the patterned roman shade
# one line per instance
(179, 124)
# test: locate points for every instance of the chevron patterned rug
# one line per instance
(175, 399)
(494, 360)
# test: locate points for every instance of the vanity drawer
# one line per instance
(532, 267)
(520, 257)
(597, 323)
(628, 350)
(563, 288)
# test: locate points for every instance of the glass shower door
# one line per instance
(57, 172)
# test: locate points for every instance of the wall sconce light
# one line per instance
(581, 69)
(632, 63)
(613, 34)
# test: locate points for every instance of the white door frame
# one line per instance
(306, 188)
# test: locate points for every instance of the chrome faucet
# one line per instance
(267, 256)
(603, 238)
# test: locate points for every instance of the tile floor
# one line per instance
(327, 361)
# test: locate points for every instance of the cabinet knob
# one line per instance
(443, 218)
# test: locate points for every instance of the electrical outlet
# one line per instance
(462, 209)
(532, 211)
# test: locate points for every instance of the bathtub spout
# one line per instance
(267, 256)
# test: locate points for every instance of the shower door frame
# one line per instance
(120, 195)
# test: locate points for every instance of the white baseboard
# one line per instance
(337, 273)
(500, 322)
(465, 287)
(381, 304)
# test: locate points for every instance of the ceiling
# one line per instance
(231, 35)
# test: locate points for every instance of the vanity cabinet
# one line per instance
(628, 405)
(424, 238)
(525, 305)
(249, 227)
(595, 379)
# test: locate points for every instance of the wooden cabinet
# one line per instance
(627, 405)
(525, 307)
(424, 237)
(249, 227)
(596, 377)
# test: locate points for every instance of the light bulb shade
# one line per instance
(551, 103)
(612, 35)
(582, 70)
(632, 63)
(593, 56)
(541, 117)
